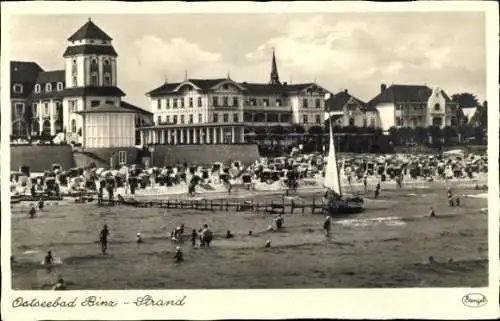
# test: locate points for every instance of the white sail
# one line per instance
(332, 174)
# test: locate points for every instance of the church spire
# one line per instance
(275, 79)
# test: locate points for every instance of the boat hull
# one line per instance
(344, 207)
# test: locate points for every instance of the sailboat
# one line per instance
(335, 202)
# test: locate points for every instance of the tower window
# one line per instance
(107, 79)
(93, 65)
(75, 81)
(93, 79)
(48, 87)
(37, 88)
(106, 66)
(74, 68)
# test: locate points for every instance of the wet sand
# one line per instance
(387, 246)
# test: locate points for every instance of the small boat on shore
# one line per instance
(335, 203)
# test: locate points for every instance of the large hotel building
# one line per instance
(218, 111)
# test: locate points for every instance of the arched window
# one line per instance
(94, 80)
(18, 89)
(37, 88)
(74, 68)
(73, 126)
(48, 87)
(60, 86)
(93, 65)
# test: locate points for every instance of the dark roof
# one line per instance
(126, 105)
(251, 88)
(91, 91)
(24, 71)
(106, 108)
(89, 31)
(90, 49)
(53, 76)
(338, 101)
(405, 93)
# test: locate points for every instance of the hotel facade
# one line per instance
(221, 111)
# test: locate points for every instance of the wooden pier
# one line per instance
(276, 207)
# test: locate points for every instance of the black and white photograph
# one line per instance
(243, 150)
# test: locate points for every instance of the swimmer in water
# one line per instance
(40, 204)
(139, 238)
(178, 255)
(268, 244)
(327, 225)
(60, 285)
(432, 213)
(229, 235)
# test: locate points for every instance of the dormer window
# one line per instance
(48, 87)
(38, 88)
(18, 88)
(60, 86)
(436, 107)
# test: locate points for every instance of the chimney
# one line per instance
(346, 91)
(383, 87)
(285, 83)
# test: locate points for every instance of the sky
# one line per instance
(354, 51)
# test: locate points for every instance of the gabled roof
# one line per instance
(89, 31)
(269, 89)
(53, 76)
(405, 93)
(89, 49)
(134, 108)
(337, 101)
(24, 71)
(201, 84)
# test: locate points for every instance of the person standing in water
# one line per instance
(377, 190)
(327, 225)
(103, 237)
(32, 211)
(194, 235)
(40, 204)
(279, 222)
(365, 182)
(178, 255)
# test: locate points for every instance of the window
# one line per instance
(190, 119)
(215, 101)
(278, 102)
(167, 103)
(19, 109)
(199, 101)
(200, 118)
(190, 102)
(304, 119)
(60, 86)
(122, 157)
(46, 108)
(225, 118)
(18, 89)
(159, 104)
(216, 118)
(235, 101)
(93, 65)
(304, 103)
(158, 120)
(398, 121)
(318, 119)
(351, 121)
(182, 119)
(372, 122)
(225, 101)
(318, 103)
(48, 87)
(35, 110)
(181, 102)
(73, 126)
(175, 102)
(75, 81)
(107, 79)
(436, 107)
(225, 86)
(168, 119)
(94, 103)
(72, 106)
(175, 119)
(235, 118)
(110, 102)
(74, 67)
(265, 101)
(253, 102)
(94, 81)
(106, 62)
(38, 88)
